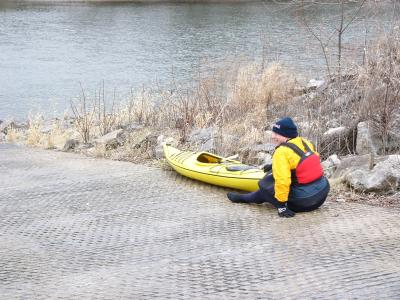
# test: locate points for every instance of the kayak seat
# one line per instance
(239, 168)
(208, 158)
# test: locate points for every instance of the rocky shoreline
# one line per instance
(353, 177)
(369, 172)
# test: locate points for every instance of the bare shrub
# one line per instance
(380, 81)
(330, 33)
(139, 108)
(369, 92)
(187, 108)
(106, 116)
(83, 110)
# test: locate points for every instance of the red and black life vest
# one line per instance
(309, 168)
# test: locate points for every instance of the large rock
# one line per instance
(112, 139)
(257, 153)
(393, 143)
(340, 140)
(201, 136)
(161, 139)
(158, 151)
(330, 165)
(365, 144)
(264, 158)
(70, 144)
(149, 142)
(383, 178)
(369, 138)
(208, 146)
(351, 163)
(335, 131)
(8, 125)
(3, 127)
(132, 127)
(84, 147)
(204, 139)
(316, 84)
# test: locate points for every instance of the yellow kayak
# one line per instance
(213, 169)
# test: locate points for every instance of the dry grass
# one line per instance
(242, 101)
(57, 136)
(139, 108)
(33, 134)
(11, 136)
(234, 105)
(258, 95)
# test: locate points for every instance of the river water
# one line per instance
(47, 51)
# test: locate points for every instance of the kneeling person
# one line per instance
(297, 182)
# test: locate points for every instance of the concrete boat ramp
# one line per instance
(73, 227)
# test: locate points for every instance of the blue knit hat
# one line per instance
(286, 128)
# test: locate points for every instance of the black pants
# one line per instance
(266, 194)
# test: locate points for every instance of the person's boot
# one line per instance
(235, 197)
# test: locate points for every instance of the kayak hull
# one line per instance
(213, 169)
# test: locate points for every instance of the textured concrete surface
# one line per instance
(78, 228)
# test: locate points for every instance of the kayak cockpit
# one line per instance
(208, 158)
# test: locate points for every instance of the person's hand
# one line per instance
(266, 168)
(285, 212)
